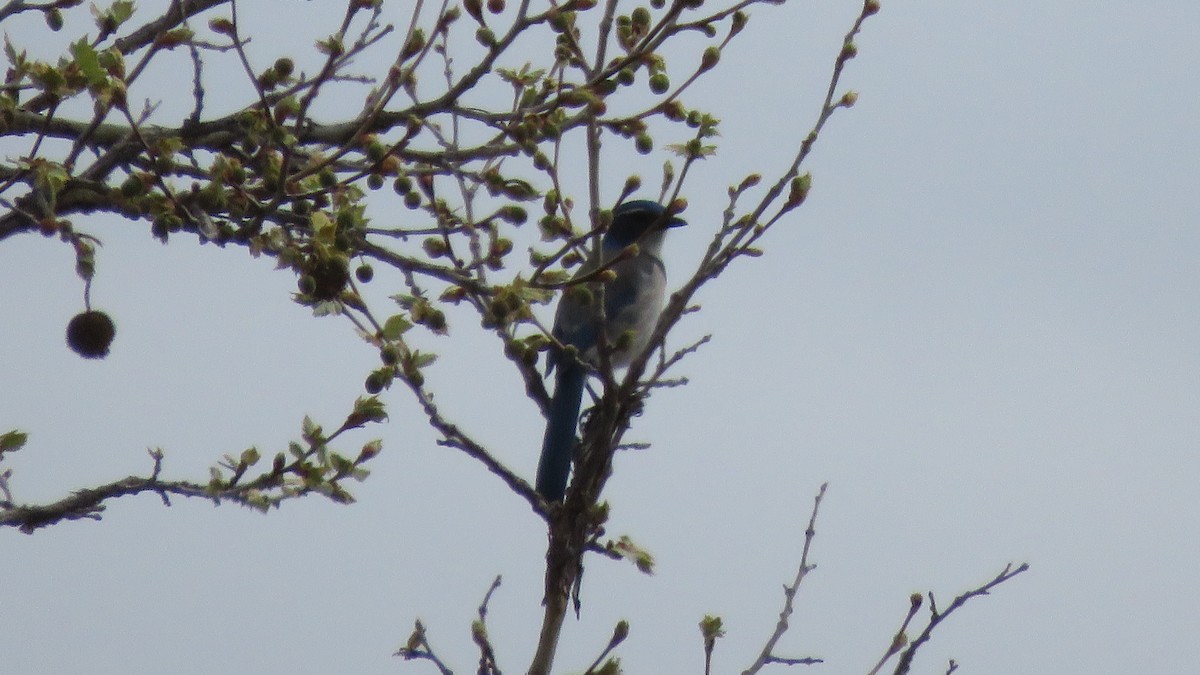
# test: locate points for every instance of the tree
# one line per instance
(531, 129)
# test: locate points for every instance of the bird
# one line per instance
(632, 302)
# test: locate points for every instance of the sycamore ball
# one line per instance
(90, 333)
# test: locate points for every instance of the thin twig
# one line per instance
(936, 617)
(767, 655)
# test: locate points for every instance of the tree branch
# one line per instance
(767, 655)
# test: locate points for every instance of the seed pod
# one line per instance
(90, 334)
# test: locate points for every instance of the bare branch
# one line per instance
(620, 632)
(89, 502)
(479, 633)
(900, 639)
(767, 655)
(936, 617)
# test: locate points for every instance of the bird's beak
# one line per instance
(675, 221)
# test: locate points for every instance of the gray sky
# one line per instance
(982, 329)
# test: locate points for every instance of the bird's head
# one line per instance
(639, 221)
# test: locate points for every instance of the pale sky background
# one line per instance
(982, 329)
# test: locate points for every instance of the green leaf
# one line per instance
(17, 60)
(13, 441)
(121, 10)
(518, 189)
(522, 78)
(249, 456)
(340, 464)
(323, 226)
(630, 551)
(50, 79)
(338, 494)
(110, 19)
(534, 294)
(89, 63)
(711, 627)
(420, 360)
(49, 176)
(693, 149)
(395, 326)
(310, 429)
(370, 408)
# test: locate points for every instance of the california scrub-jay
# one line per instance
(632, 302)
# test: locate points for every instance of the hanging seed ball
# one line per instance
(89, 334)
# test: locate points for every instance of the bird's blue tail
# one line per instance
(557, 446)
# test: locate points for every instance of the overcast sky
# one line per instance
(982, 330)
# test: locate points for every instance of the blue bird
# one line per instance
(632, 302)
